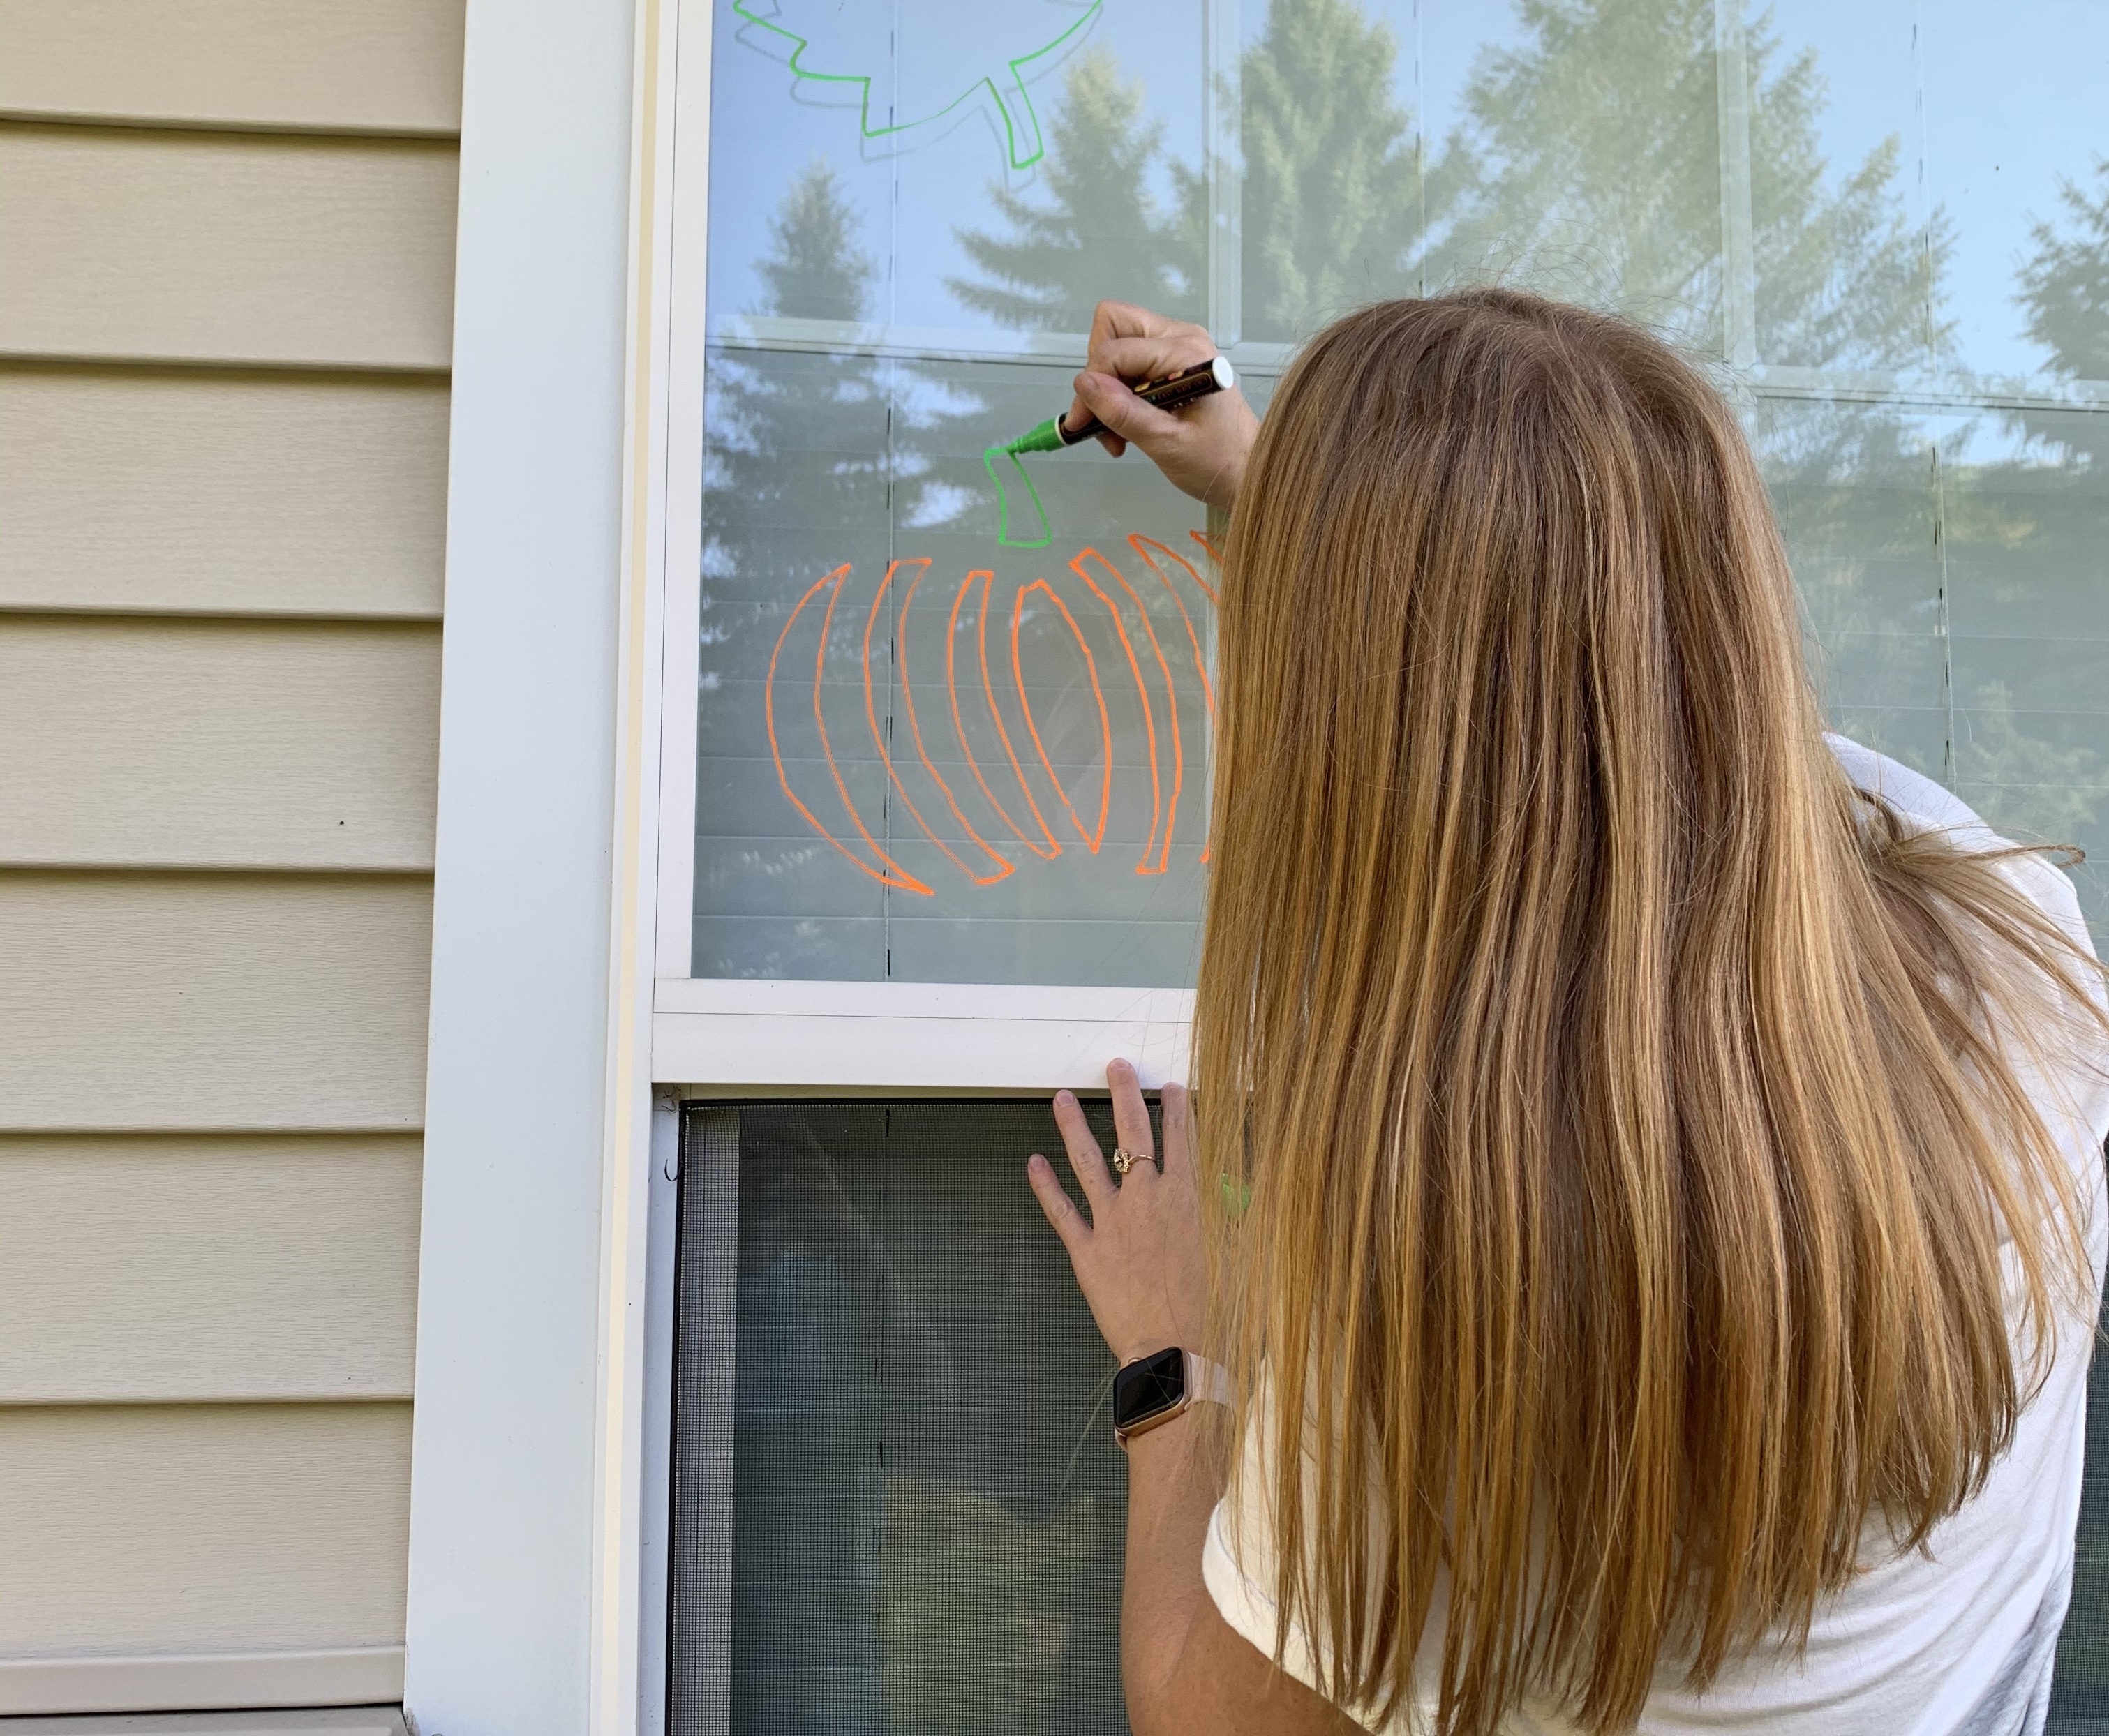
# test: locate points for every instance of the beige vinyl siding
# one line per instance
(339, 1720)
(238, 744)
(225, 319)
(207, 1268)
(232, 492)
(226, 247)
(327, 65)
(201, 1528)
(227, 1002)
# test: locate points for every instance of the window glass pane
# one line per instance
(2028, 576)
(1853, 486)
(1837, 203)
(1572, 149)
(2015, 173)
(927, 757)
(1002, 166)
(1926, 192)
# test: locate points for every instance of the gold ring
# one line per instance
(1122, 1158)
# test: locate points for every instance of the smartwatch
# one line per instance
(1156, 1389)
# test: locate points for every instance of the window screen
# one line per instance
(918, 1526)
(2080, 1691)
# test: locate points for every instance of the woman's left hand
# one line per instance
(1138, 1258)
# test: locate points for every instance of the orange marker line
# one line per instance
(1215, 554)
(907, 882)
(1142, 545)
(1054, 845)
(952, 691)
(908, 703)
(775, 753)
(1158, 812)
(1091, 840)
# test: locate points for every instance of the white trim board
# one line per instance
(619, 1697)
(509, 1461)
(737, 1038)
(344, 1675)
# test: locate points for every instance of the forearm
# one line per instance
(1172, 1489)
(1139, 1262)
(1183, 1667)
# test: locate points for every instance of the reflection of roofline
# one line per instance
(1933, 390)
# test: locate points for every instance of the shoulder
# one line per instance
(1924, 805)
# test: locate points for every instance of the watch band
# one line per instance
(1208, 1381)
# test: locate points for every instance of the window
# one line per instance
(952, 721)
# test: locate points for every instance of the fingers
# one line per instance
(1061, 1215)
(1131, 1113)
(1126, 415)
(1111, 319)
(1085, 1157)
(1178, 1133)
(1140, 359)
(1130, 344)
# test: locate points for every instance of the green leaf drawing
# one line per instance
(968, 54)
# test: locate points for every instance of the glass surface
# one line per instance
(2026, 514)
(1898, 209)
(927, 757)
(1921, 173)
(928, 1503)
(1002, 165)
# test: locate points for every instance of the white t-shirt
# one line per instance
(1955, 1640)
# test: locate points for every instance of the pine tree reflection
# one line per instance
(1091, 230)
(1333, 194)
(2027, 533)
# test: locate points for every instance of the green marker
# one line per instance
(1171, 393)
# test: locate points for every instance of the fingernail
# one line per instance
(1065, 1099)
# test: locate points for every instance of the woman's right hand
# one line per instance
(1202, 447)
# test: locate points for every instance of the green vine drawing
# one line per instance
(1016, 70)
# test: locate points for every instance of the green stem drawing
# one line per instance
(744, 9)
(1003, 500)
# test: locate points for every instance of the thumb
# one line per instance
(1126, 415)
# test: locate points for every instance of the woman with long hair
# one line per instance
(1641, 1201)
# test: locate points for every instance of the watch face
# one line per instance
(1149, 1387)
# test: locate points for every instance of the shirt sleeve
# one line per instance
(1925, 805)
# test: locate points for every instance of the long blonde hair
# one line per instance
(1622, 1101)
